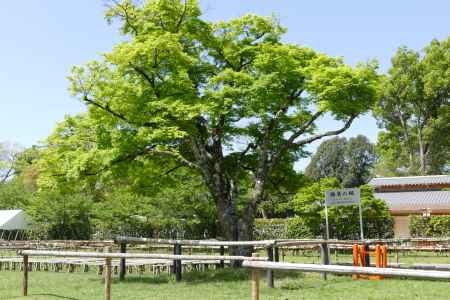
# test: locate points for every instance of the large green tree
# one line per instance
(349, 161)
(415, 112)
(229, 100)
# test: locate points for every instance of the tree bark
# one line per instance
(422, 152)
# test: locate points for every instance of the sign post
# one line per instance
(343, 197)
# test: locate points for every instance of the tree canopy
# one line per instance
(415, 112)
(227, 100)
(349, 161)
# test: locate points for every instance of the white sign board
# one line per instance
(342, 197)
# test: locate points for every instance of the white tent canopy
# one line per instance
(13, 219)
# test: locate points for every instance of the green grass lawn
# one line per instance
(220, 284)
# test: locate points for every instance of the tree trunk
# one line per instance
(422, 153)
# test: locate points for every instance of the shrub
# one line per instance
(298, 229)
(270, 229)
(434, 226)
(289, 228)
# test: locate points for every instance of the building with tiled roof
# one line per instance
(419, 195)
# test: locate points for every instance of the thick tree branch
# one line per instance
(304, 127)
(325, 134)
(105, 108)
(183, 15)
(126, 16)
(150, 80)
(178, 157)
(290, 143)
(116, 114)
(8, 174)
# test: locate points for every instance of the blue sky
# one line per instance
(41, 40)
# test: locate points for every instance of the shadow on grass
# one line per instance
(201, 277)
(46, 296)
(316, 283)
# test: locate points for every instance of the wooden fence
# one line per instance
(256, 266)
(273, 247)
(109, 256)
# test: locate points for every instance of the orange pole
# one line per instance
(385, 256)
(378, 256)
(355, 254)
(362, 254)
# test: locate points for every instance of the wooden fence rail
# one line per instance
(256, 266)
(134, 240)
(136, 255)
(109, 256)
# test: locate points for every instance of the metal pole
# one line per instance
(326, 221)
(360, 221)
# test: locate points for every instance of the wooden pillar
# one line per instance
(270, 272)
(108, 273)
(123, 265)
(255, 282)
(276, 254)
(177, 263)
(222, 253)
(367, 255)
(25, 276)
(325, 258)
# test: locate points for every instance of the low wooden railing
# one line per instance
(256, 266)
(109, 256)
(271, 247)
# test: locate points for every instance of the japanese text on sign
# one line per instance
(342, 197)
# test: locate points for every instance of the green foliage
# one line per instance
(276, 228)
(61, 216)
(414, 111)
(298, 229)
(270, 229)
(344, 221)
(16, 181)
(349, 161)
(434, 226)
(13, 195)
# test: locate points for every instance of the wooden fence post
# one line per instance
(222, 253)
(123, 266)
(255, 281)
(276, 254)
(25, 276)
(108, 273)
(367, 255)
(270, 272)
(325, 258)
(177, 267)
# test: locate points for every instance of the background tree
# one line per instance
(349, 161)
(8, 155)
(414, 111)
(228, 100)
(361, 157)
(16, 181)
